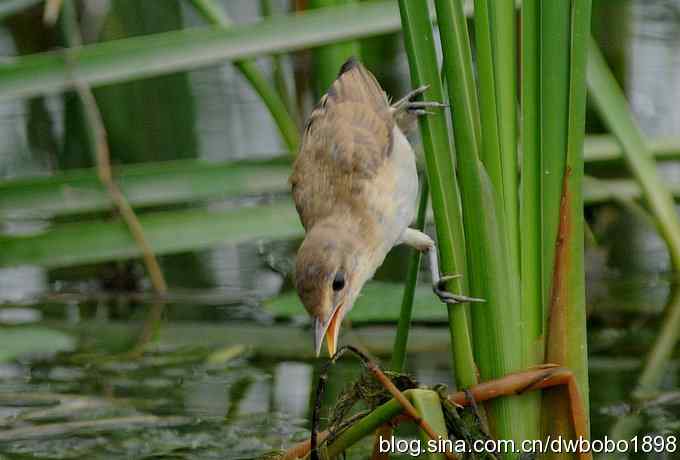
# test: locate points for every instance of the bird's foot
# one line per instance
(408, 105)
(445, 296)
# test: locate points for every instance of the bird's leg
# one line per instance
(405, 111)
(420, 241)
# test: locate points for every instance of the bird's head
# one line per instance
(329, 273)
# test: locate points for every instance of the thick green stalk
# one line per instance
(554, 100)
(490, 150)
(271, 98)
(503, 41)
(531, 309)
(612, 106)
(329, 58)
(401, 339)
(441, 174)
(577, 340)
(497, 345)
(567, 338)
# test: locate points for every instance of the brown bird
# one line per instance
(355, 187)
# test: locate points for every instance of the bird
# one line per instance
(355, 186)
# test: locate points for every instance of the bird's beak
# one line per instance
(319, 332)
(330, 330)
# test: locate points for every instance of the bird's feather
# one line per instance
(348, 137)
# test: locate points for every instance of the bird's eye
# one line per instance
(339, 281)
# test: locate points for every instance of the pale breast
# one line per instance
(402, 161)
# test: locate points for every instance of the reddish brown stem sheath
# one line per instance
(556, 343)
(546, 376)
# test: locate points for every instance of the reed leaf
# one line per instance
(157, 54)
(604, 148)
(169, 232)
(151, 55)
(612, 106)
(148, 184)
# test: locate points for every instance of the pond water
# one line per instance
(225, 377)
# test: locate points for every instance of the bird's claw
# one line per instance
(445, 296)
(407, 103)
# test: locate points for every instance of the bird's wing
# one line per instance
(347, 138)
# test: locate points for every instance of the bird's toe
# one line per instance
(449, 297)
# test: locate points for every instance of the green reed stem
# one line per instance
(504, 52)
(490, 150)
(497, 344)
(577, 338)
(554, 99)
(530, 187)
(564, 32)
(419, 41)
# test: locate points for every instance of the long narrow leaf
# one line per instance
(150, 55)
(151, 184)
(169, 232)
(612, 106)
(145, 56)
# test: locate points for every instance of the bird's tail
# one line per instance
(355, 83)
